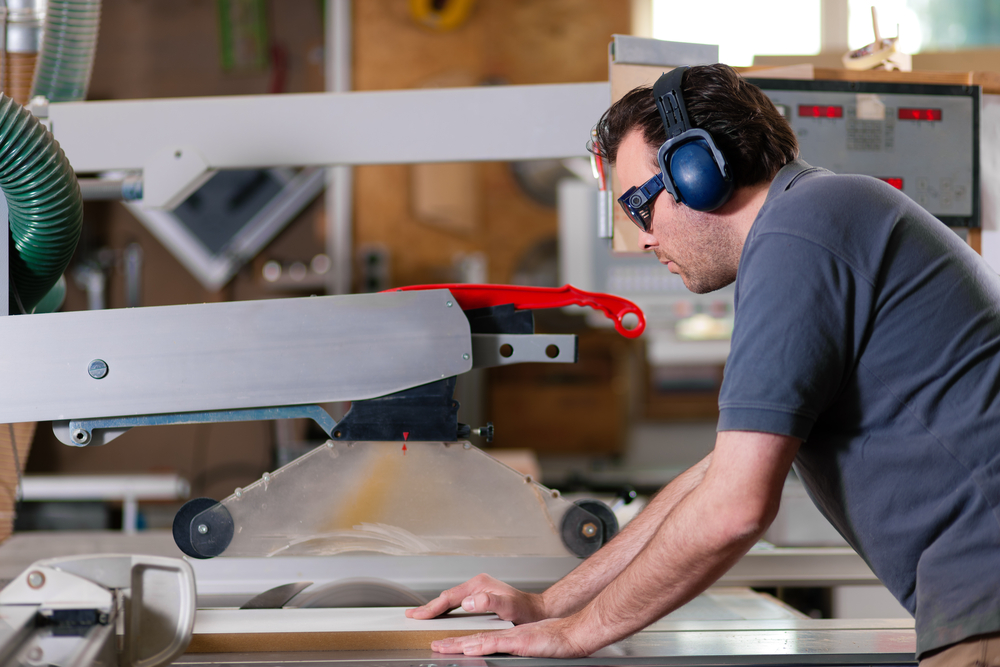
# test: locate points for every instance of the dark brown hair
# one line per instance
(753, 135)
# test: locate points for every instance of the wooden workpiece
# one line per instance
(375, 628)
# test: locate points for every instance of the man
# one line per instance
(865, 350)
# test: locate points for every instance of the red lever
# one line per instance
(470, 297)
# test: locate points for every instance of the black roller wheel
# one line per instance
(608, 519)
(203, 528)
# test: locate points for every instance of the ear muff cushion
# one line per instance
(697, 178)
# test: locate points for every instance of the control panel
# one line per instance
(920, 138)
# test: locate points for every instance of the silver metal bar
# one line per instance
(489, 350)
(340, 178)
(482, 123)
(224, 356)
(821, 566)
(117, 189)
(631, 50)
(91, 432)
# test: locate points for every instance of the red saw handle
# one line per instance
(470, 297)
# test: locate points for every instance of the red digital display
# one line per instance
(919, 114)
(816, 111)
(892, 180)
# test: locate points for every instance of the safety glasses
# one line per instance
(638, 202)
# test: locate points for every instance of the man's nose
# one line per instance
(647, 241)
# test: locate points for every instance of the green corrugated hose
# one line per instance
(45, 206)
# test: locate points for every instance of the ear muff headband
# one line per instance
(694, 170)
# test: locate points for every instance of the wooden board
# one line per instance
(376, 628)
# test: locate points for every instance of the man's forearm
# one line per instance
(571, 593)
(689, 553)
(702, 537)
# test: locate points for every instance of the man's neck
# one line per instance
(742, 209)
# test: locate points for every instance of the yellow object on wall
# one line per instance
(442, 15)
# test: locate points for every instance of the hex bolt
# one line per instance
(202, 529)
(36, 579)
(98, 369)
(588, 530)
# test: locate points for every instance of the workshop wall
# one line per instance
(423, 219)
(502, 42)
(171, 48)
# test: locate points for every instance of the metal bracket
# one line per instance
(158, 596)
(489, 350)
(88, 432)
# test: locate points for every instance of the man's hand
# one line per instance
(551, 638)
(485, 594)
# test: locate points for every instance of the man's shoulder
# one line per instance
(850, 215)
(822, 198)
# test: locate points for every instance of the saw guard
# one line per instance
(398, 498)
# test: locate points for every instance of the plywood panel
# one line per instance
(379, 628)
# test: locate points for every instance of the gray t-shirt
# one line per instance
(870, 330)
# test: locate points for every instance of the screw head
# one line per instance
(80, 436)
(466, 356)
(36, 579)
(588, 530)
(450, 304)
(98, 369)
(202, 529)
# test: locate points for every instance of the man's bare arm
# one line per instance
(706, 533)
(571, 593)
(576, 589)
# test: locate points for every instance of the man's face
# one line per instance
(695, 245)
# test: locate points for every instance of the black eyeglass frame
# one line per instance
(637, 202)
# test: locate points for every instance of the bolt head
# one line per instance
(202, 529)
(97, 369)
(36, 579)
(588, 530)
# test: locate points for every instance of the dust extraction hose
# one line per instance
(69, 42)
(44, 202)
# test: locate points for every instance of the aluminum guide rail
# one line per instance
(223, 356)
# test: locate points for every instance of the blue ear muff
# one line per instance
(694, 170)
(698, 181)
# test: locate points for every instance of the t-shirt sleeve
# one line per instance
(794, 338)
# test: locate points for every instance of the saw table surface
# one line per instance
(674, 643)
(724, 626)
